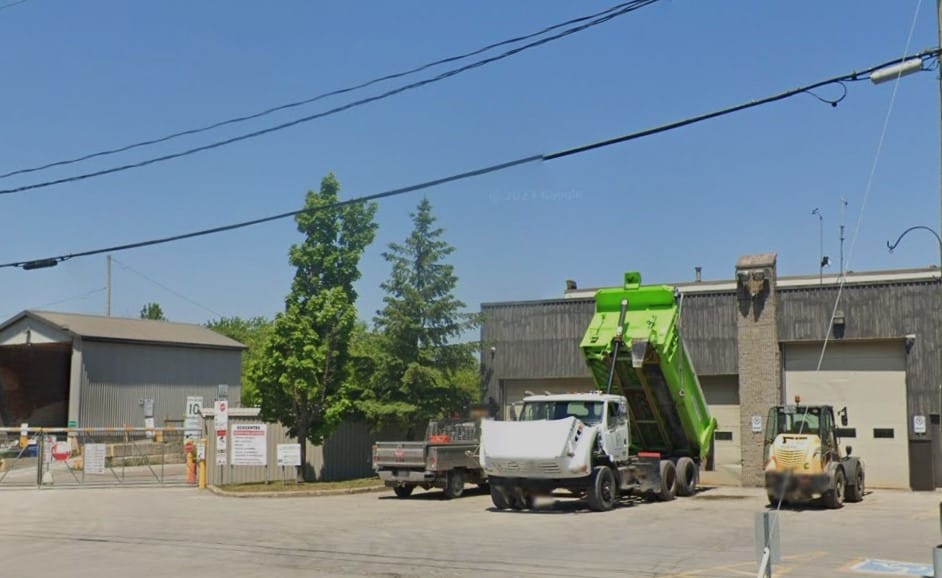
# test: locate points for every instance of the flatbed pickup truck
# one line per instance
(447, 459)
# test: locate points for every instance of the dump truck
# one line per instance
(645, 431)
(804, 461)
(446, 459)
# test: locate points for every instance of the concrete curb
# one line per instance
(296, 494)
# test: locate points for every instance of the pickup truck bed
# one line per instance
(443, 460)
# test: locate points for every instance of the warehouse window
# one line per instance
(723, 436)
(846, 432)
(934, 418)
(883, 432)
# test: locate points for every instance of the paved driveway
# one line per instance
(129, 532)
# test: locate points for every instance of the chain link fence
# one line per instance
(94, 457)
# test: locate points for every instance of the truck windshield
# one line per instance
(589, 412)
(793, 420)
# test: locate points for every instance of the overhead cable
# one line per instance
(849, 77)
(607, 15)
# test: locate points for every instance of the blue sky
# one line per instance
(80, 76)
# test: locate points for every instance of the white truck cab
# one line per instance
(576, 441)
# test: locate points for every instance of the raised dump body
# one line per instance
(667, 409)
(645, 430)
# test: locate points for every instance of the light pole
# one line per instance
(817, 212)
(893, 246)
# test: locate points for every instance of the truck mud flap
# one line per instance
(642, 474)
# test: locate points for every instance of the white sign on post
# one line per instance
(757, 424)
(250, 444)
(289, 455)
(919, 424)
(94, 458)
(191, 423)
(221, 421)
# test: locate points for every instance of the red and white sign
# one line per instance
(221, 425)
(62, 451)
(250, 444)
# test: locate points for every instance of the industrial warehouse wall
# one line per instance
(117, 376)
(346, 455)
(540, 339)
(884, 311)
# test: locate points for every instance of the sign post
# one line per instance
(221, 420)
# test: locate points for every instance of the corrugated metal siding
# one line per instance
(540, 339)
(117, 376)
(708, 326)
(876, 312)
(346, 455)
(118, 404)
(133, 363)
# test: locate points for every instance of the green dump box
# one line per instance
(667, 409)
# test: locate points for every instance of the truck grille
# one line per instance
(789, 458)
(511, 467)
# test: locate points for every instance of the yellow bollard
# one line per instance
(201, 453)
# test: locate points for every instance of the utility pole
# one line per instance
(843, 206)
(108, 284)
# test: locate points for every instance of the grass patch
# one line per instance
(279, 486)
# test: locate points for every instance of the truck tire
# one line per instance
(520, 499)
(835, 498)
(603, 490)
(403, 491)
(855, 493)
(686, 477)
(500, 496)
(668, 489)
(454, 484)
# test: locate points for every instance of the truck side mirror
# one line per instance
(844, 419)
(848, 448)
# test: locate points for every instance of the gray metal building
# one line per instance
(59, 369)
(757, 340)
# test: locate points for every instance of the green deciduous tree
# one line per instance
(420, 372)
(252, 333)
(306, 357)
(153, 311)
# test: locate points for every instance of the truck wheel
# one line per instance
(855, 493)
(603, 491)
(521, 499)
(500, 496)
(403, 491)
(835, 498)
(686, 477)
(454, 484)
(668, 481)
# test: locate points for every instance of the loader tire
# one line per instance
(855, 493)
(687, 474)
(603, 489)
(834, 498)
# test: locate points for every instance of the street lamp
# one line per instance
(924, 228)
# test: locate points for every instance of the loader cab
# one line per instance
(804, 421)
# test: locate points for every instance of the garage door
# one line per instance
(722, 395)
(870, 380)
(514, 390)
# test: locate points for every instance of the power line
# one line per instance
(849, 77)
(167, 289)
(295, 104)
(81, 296)
(12, 4)
(627, 7)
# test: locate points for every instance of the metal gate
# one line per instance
(93, 457)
